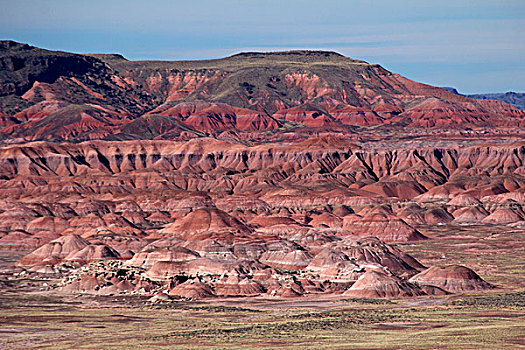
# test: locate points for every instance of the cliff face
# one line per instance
(48, 95)
(316, 156)
(265, 180)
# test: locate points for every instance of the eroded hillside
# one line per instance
(261, 174)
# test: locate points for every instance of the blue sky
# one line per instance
(473, 45)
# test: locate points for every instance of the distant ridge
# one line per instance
(250, 96)
(516, 99)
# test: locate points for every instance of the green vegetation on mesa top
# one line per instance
(258, 75)
(242, 77)
(238, 61)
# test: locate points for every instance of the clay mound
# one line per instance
(86, 221)
(290, 260)
(373, 284)
(250, 120)
(14, 221)
(125, 244)
(86, 121)
(335, 266)
(301, 114)
(469, 215)
(433, 290)
(342, 211)
(249, 250)
(93, 252)
(38, 111)
(46, 223)
(13, 240)
(351, 115)
(453, 279)
(162, 270)
(162, 243)
(120, 286)
(235, 202)
(165, 269)
(437, 216)
(387, 227)
(327, 258)
(211, 247)
(400, 189)
(233, 285)
(517, 196)
(210, 117)
(438, 194)
(311, 286)
(434, 112)
(54, 251)
(192, 289)
(205, 220)
(266, 221)
(412, 214)
(502, 216)
(283, 230)
(326, 220)
(151, 254)
(289, 289)
(160, 298)
(158, 218)
(87, 284)
(371, 250)
(341, 273)
(464, 200)
(126, 254)
(312, 238)
(190, 203)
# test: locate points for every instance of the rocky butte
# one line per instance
(275, 175)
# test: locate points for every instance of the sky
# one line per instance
(474, 45)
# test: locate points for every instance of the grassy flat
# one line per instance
(50, 322)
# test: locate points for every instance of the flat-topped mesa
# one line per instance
(253, 96)
(108, 56)
(307, 56)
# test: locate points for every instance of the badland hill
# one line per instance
(276, 174)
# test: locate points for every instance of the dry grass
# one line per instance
(51, 322)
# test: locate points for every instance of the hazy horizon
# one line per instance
(474, 46)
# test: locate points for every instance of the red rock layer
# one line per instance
(60, 96)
